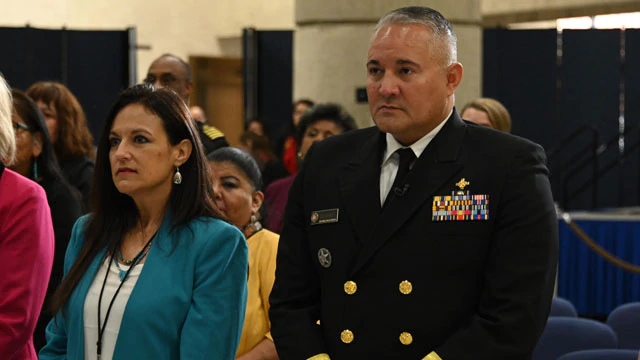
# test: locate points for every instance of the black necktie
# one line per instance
(399, 188)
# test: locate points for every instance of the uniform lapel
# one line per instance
(360, 185)
(433, 169)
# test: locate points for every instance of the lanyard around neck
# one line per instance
(136, 260)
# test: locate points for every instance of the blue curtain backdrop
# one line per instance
(94, 65)
(592, 284)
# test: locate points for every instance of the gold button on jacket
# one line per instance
(406, 338)
(350, 287)
(405, 287)
(346, 336)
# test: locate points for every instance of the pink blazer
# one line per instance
(26, 258)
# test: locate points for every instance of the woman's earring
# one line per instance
(255, 223)
(35, 169)
(177, 178)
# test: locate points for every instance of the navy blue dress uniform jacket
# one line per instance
(400, 285)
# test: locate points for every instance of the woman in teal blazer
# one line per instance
(152, 273)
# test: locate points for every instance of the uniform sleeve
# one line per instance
(268, 275)
(295, 298)
(520, 270)
(56, 332)
(214, 321)
(26, 251)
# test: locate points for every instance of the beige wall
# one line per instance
(186, 27)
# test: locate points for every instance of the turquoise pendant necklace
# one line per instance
(123, 273)
(135, 261)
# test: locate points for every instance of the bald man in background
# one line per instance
(170, 71)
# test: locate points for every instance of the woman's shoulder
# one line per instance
(264, 241)
(267, 237)
(19, 188)
(207, 228)
(60, 193)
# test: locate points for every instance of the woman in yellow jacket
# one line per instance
(236, 184)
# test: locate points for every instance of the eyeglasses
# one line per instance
(20, 127)
(165, 79)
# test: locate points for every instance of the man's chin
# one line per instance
(387, 124)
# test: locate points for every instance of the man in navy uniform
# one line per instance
(424, 237)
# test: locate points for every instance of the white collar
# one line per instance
(418, 146)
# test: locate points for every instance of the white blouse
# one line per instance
(112, 328)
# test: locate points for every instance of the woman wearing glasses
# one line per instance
(152, 272)
(36, 160)
(26, 246)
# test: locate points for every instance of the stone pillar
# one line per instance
(332, 39)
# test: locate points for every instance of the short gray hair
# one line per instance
(446, 41)
(7, 136)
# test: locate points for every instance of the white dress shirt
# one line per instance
(112, 328)
(391, 160)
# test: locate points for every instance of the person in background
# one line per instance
(318, 123)
(236, 185)
(26, 245)
(170, 71)
(289, 146)
(36, 160)
(152, 272)
(69, 134)
(487, 112)
(260, 149)
(257, 127)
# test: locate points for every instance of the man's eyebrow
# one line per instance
(373, 62)
(407, 62)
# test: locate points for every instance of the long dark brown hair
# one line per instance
(114, 213)
(74, 138)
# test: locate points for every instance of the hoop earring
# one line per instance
(177, 177)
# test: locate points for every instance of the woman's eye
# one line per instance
(139, 139)
(406, 71)
(114, 142)
(229, 185)
(312, 134)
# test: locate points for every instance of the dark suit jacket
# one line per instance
(480, 289)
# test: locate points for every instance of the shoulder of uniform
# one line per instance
(212, 132)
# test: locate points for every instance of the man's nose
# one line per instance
(157, 83)
(389, 86)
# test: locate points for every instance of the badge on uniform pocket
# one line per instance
(461, 205)
(324, 216)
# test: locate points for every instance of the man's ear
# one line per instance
(454, 76)
(182, 151)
